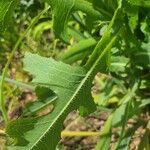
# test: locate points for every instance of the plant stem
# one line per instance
(19, 83)
(104, 40)
(79, 133)
(2, 101)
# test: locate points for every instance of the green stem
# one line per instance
(19, 84)
(2, 101)
(104, 40)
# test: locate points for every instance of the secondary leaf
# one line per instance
(6, 10)
(61, 10)
(105, 7)
(132, 12)
(145, 141)
(105, 135)
(45, 98)
(142, 3)
(77, 51)
(40, 28)
(118, 64)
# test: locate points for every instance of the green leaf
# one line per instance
(87, 8)
(127, 138)
(118, 64)
(109, 33)
(138, 106)
(73, 88)
(79, 49)
(105, 135)
(142, 3)
(40, 28)
(45, 98)
(132, 12)
(6, 10)
(71, 84)
(106, 7)
(119, 115)
(145, 141)
(142, 57)
(61, 10)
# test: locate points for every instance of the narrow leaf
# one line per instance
(61, 11)
(6, 10)
(78, 50)
(105, 135)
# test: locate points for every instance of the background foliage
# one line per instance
(100, 44)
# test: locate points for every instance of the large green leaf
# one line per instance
(72, 85)
(62, 10)
(6, 9)
(73, 88)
